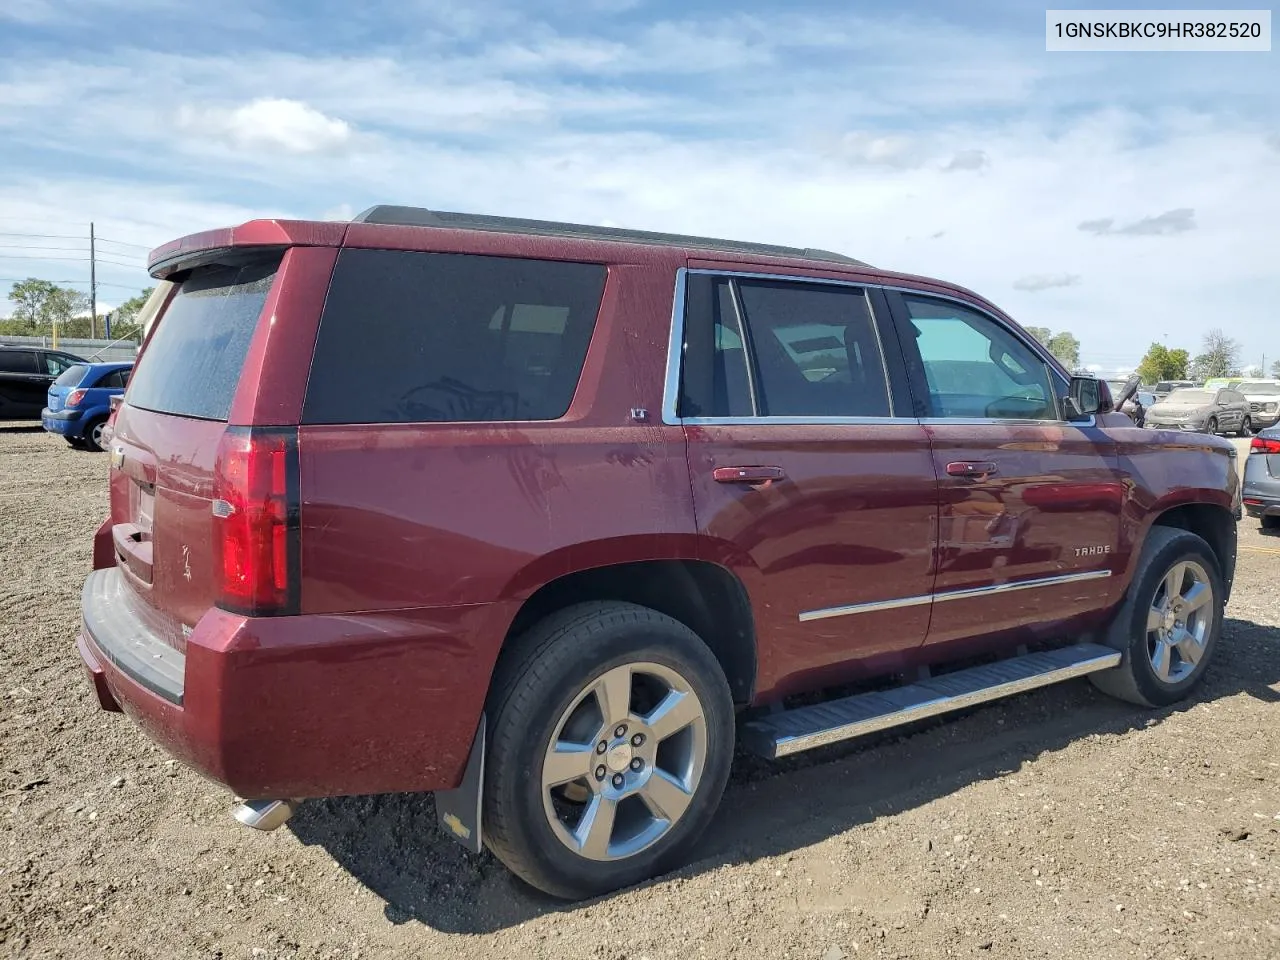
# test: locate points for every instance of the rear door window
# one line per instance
(17, 361)
(410, 337)
(56, 363)
(808, 350)
(193, 362)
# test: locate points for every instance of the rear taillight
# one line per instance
(1264, 445)
(74, 398)
(255, 521)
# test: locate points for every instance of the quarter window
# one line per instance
(411, 337)
(975, 368)
(808, 350)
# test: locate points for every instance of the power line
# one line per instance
(101, 283)
(67, 236)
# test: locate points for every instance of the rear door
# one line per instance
(1030, 505)
(23, 386)
(812, 480)
(166, 436)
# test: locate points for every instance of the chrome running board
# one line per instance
(792, 731)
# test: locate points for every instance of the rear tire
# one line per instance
(1270, 523)
(1168, 626)
(93, 434)
(645, 688)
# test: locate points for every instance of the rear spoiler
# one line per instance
(209, 245)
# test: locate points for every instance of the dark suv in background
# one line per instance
(26, 374)
(544, 517)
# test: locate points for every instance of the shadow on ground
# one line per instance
(392, 846)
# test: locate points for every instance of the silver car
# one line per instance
(1264, 401)
(1205, 411)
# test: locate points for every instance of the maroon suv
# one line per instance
(545, 517)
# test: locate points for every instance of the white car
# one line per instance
(1264, 401)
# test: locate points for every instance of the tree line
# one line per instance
(1219, 357)
(40, 306)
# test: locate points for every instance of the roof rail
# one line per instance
(421, 217)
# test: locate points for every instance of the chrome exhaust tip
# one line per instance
(264, 814)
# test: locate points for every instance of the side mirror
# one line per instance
(1087, 397)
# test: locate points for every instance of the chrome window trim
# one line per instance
(675, 354)
(675, 357)
(965, 594)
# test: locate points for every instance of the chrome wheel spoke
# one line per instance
(1189, 647)
(664, 797)
(1160, 660)
(613, 694)
(1155, 619)
(675, 712)
(566, 762)
(1173, 581)
(1196, 597)
(595, 829)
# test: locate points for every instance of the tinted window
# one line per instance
(55, 363)
(429, 337)
(117, 380)
(17, 361)
(715, 380)
(813, 351)
(193, 362)
(72, 375)
(975, 368)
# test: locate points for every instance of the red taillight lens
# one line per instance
(1265, 445)
(74, 398)
(255, 520)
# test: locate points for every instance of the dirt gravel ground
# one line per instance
(1057, 824)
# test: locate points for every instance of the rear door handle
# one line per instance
(973, 469)
(747, 474)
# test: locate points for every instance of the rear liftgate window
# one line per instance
(433, 337)
(193, 362)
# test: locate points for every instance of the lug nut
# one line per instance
(637, 740)
(600, 772)
(621, 730)
(637, 763)
(602, 746)
(617, 780)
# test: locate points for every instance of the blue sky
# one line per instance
(1124, 197)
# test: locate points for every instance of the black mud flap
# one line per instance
(458, 810)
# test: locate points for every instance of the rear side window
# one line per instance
(808, 350)
(193, 361)
(71, 376)
(410, 337)
(17, 361)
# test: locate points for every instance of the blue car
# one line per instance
(79, 402)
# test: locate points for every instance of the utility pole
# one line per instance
(93, 285)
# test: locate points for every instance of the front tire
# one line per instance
(1211, 427)
(1168, 626)
(1246, 428)
(611, 740)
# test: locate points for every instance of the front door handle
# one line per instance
(972, 469)
(747, 474)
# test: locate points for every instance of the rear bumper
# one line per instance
(307, 706)
(67, 423)
(1260, 491)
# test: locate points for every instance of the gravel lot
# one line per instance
(1058, 824)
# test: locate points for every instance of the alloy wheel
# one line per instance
(1179, 620)
(624, 761)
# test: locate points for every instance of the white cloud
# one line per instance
(268, 123)
(1035, 282)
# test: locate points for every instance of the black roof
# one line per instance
(421, 217)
